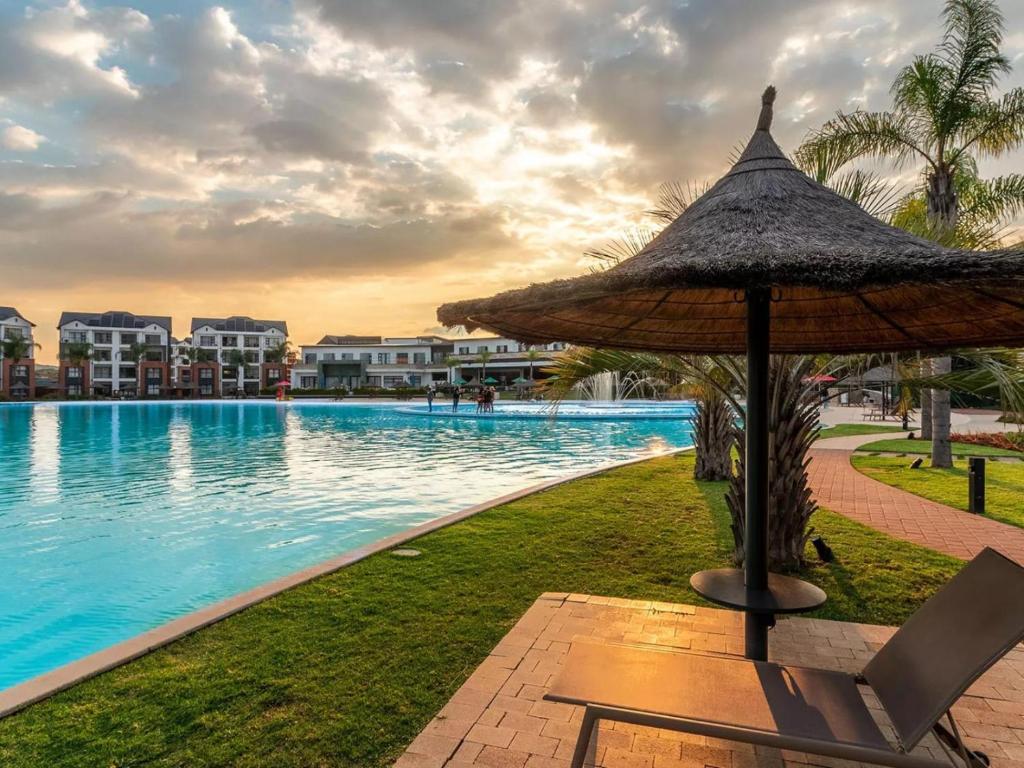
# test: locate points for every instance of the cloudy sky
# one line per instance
(348, 165)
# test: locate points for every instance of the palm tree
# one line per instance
(138, 352)
(17, 348)
(484, 357)
(533, 355)
(279, 353)
(236, 358)
(77, 352)
(943, 116)
(452, 361)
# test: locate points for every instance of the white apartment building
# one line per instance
(414, 361)
(111, 366)
(17, 377)
(221, 337)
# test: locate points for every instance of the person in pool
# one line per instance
(456, 394)
(430, 399)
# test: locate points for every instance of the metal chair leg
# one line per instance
(590, 719)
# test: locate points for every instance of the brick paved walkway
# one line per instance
(841, 488)
(498, 718)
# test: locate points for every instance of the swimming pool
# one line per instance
(118, 517)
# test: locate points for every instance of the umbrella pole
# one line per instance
(756, 523)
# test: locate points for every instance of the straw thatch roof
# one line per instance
(842, 281)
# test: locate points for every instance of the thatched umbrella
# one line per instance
(770, 260)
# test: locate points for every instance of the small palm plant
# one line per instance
(533, 355)
(278, 353)
(453, 362)
(17, 348)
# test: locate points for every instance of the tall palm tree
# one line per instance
(138, 352)
(236, 358)
(452, 361)
(278, 353)
(484, 356)
(77, 352)
(944, 114)
(17, 348)
(533, 355)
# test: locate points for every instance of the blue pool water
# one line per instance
(115, 518)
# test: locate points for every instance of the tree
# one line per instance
(138, 352)
(533, 355)
(943, 116)
(452, 361)
(77, 353)
(236, 358)
(278, 353)
(484, 357)
(16, 349)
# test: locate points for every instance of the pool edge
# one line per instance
(36, 689)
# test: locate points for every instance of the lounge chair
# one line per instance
(917, 675)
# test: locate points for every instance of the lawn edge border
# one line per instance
(36, 689)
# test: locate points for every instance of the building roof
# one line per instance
(239, 324)
(349, 340)
(8, 312)
(114, 319)
(840, 280)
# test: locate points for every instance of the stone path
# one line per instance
(839, 487)
(499, 719)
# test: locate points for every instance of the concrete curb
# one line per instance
(38, 688)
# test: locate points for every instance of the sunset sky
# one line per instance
(348, 165)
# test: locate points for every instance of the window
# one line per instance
(127, 372)
(75, 337)
(328, 357)
(346, 356)
(102, 371)
(152, 388)
(273, 375)
(229, 341)
(185, 375)
(310, 358)
(481, 348)
(154, 339)
(207, 341)
(129, 338)
(307, 382)
(13, 333)
(270, 341)
(74, 372)
(252, 342)
(366, 357)
(102, 337)
(384, 358)
(101, 355)
(403, 358)
(419, 358)
(463, 350)
(394, 381)
(502, 348)
(74, 389)
(154, 373)
(206, 374)
(252, 372)
(19, 371)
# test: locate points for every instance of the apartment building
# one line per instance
(415, 361)
(114, 353)
(17, 375)
(232, 355)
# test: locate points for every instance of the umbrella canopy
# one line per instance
(840, 280)
(521, 380)
(490, 380)
(770, 260)
(459, 382)
(283, 383)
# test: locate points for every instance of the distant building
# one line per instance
(233, 353)
(17, 376)
(114, 353)
(415, 361)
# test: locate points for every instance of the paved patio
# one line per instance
(499, 719)
(841, 488)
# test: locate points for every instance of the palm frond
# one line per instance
(852, 135)
(876, 195)
(674, 197)
(970, 46)
(994, 127)
(621, 248)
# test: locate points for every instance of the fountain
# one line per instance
(613, 387)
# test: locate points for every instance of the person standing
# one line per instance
(430, 399)
(456, 394)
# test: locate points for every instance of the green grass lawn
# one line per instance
(346, 670)
(925, 447)
(1004, 484)
(848, 430)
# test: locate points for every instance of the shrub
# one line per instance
(1007, 441)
